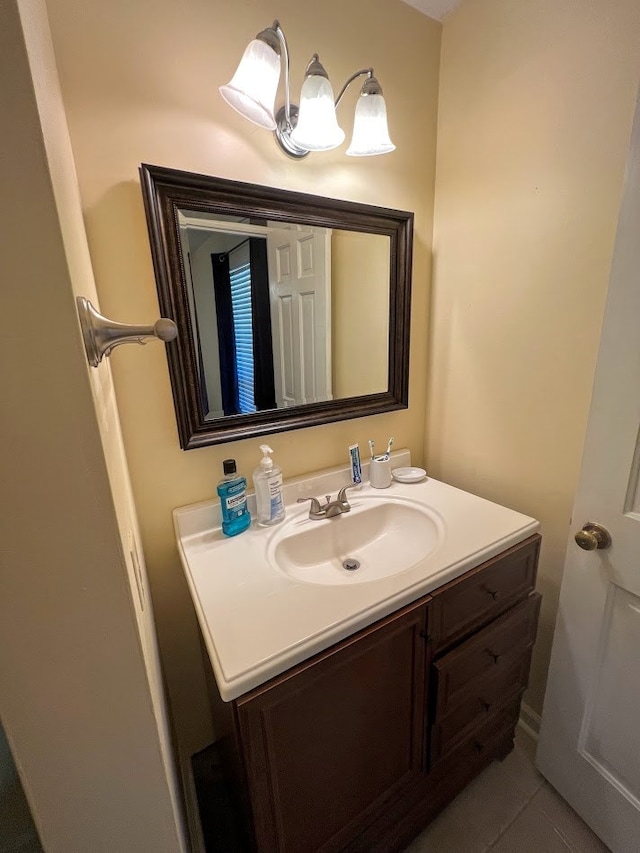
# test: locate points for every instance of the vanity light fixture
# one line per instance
(313, 126)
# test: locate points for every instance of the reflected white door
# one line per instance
(300, 291)
(589, 745)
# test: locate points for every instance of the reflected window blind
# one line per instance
(240, 276)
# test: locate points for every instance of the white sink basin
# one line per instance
(379, 537)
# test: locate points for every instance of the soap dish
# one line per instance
(408, 475)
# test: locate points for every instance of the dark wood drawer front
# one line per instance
(464, 605)
(500, 644)
(482, 700)
(481, 740)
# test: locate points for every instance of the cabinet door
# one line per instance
(328, 744)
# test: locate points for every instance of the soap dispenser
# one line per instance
(267, 480)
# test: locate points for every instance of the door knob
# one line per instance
(593, 536)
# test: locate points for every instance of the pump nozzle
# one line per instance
(266, 462)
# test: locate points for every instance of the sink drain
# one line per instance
(350, 564)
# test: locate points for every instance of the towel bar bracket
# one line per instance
(102, 335)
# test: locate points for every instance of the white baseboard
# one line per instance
(529, 721)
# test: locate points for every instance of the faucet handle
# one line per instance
(315, 510)
(315, 505)
(342, 496)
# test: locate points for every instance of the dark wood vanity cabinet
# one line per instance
(329, 744)
(359, 747)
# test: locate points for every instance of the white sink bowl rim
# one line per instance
(385, 535)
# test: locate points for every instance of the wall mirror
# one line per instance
(292, 309)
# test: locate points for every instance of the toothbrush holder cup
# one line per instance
(380, 472)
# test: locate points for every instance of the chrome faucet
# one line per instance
(330, 509)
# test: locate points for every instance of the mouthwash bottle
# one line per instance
(232, 490)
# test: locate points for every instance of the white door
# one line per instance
(299, 262)
(589, 745)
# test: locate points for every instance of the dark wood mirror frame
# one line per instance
(165, 191)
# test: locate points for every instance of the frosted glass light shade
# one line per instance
(370, 130)
(317, 128)
(252, 89)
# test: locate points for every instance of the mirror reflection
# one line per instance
(292, 309)
(282, 313)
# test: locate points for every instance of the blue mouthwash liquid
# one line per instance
(232, 490)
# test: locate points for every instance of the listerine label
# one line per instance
(235, 499)
(236, 502)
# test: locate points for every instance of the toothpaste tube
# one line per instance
(356, 466)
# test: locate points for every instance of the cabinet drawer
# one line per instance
(481, 741)
(484, 697)
(499, 645)
(464, 605)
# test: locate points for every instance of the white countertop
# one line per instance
(257, 622)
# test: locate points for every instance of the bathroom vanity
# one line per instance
(397, 691)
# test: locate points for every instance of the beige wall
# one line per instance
(81, 698)
(359, 312)
(139, 82)
(536, 103)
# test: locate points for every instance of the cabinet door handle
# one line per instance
(492, 592)
(485, 705)
(493, 655)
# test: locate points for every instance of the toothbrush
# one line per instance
(389, 446)
(371, 447)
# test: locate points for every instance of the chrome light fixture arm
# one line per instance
(370, 87)
(287, 73)
(287, 115)
(275, 38)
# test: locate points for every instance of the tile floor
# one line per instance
(509, 808)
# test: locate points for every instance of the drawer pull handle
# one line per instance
(478, 746)
(492, 592)
(493, 655)
(485, 705)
